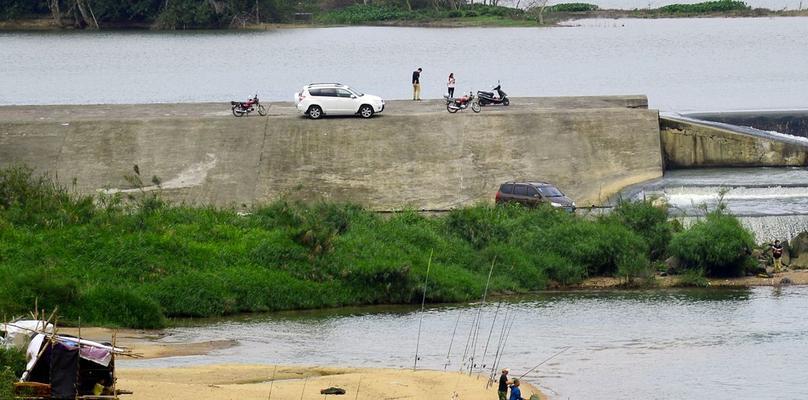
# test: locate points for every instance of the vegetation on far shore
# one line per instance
(135, 261)
(215, 14)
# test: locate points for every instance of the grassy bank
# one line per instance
(135, 261)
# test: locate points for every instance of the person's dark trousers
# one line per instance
(451, 92)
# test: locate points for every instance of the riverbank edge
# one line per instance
(551, 20)
(251, 381)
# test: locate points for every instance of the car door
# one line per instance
(330, 102)
(346, 102)
(533, 196)
(520, 194)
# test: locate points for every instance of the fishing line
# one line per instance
(423, 303)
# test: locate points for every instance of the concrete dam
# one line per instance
(414, 155)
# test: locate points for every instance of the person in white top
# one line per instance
(451, 84)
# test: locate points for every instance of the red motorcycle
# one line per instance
(240, 109)
(454, 105)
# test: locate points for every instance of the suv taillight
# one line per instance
(497, 197)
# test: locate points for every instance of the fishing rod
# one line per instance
(499, 347)
(272, 381)
(490, 332)
(479, 314)
(505, 341)
(545, 360)
(448, 360)
(423, 303)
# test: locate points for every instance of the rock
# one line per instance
(663, 273)
(757, 254)
(785, 281)
(332, 390)
(674, 265)
(799, 245)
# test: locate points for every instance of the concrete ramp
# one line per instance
(413, 155)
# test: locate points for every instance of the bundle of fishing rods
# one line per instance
(469, 361)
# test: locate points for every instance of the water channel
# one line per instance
(673, 344)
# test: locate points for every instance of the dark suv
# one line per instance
(533, 193)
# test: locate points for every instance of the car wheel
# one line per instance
(366, 111)
(315, 112)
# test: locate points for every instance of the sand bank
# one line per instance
(222, 382)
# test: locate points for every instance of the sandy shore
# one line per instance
(222, 382)
(237, 381)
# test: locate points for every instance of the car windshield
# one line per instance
(356, 92)
(550, 191)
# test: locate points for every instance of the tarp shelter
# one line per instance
(66, 367)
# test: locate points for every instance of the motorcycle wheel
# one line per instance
(451, 109)
(506, 102)
(262, 111)
(238, 112)
(475, 106)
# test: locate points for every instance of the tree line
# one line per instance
(160, 14)
(190, 14)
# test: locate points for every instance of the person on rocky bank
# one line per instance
(777, 253)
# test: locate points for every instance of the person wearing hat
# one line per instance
(516, 394)
(502, 391)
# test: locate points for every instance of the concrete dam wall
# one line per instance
(693, 143)
(413, 155)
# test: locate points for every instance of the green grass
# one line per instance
(136, 262)
(705, 7)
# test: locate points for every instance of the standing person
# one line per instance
(451, 84)
(516, 394)
(502, 390)
(777, 252)
(416, 84)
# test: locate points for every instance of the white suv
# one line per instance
(318, 99)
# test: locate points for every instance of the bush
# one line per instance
(649, 222)
(12, 359)
(718, 244)
(104, 305)
(705, 7)
(572, 7)
(693, 278)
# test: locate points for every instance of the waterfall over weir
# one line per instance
(770, 202)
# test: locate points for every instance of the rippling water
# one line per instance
(678, 344)
(771, 202)
(681, 64)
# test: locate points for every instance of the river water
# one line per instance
(674, 344)
(681, 64)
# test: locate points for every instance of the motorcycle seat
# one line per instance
(485, 93)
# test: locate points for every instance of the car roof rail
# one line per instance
(325, 83)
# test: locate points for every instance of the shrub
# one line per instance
(471, 13)
(705, 7)
(455, 14)
(649, 222)
(572, 7)
(31, 200)
(718, 244)
(104, 305)
(693, 278)
(477, 225)
(21, 291)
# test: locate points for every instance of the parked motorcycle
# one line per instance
(240, 109)
(454, 105)
(499, 97)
